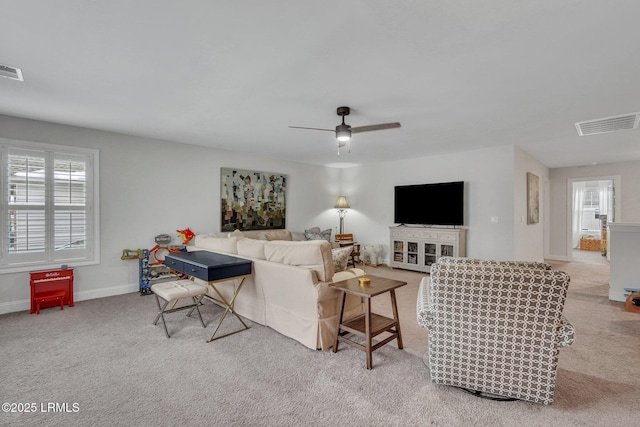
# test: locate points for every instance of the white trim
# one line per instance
(25, 305)
(92, 209)
(627, 227)
(48, 266)
(617, 295)
(617, 184)
(557, 258)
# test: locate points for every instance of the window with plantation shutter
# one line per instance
(49, 206)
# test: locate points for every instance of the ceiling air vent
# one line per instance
(11, 72)
(608, 124)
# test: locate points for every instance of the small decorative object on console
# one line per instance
(364, 281)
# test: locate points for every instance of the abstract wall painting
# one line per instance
(252, 200)
(533, 198)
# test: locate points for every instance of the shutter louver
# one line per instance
(27, 218)
(70, 191)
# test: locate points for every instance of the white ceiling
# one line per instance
(458, 74)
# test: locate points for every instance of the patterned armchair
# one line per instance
(495, 328)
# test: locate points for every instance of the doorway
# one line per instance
(593, 204)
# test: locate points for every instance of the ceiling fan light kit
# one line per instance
(343, 131)
(342, 144)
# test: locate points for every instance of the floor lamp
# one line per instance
(342, 205)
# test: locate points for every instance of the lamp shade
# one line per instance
(343, 132)
(342, 203)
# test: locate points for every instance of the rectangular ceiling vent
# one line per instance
(11, 72)
(608, 124)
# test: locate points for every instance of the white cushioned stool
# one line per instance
(175, 291)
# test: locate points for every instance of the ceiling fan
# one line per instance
(343, 131)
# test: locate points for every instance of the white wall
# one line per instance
(628, 191)
(489, 187)
(149, 187)
(528, 238)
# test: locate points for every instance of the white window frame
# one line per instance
(50, 258)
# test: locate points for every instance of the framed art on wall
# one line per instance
(533, 198)
(252, 200)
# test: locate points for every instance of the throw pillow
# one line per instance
(237, 233)
(297, 236)
(275, 235)
(323, 235)
(341, 258)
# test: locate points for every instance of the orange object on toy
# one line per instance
(186, 235)
(633, 302)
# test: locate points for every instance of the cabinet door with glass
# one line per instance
(447, 249)
(398, 251)
(430, 253)
(413, 256)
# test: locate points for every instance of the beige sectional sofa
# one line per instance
(289, 288)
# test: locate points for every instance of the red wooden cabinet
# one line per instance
(49, 283)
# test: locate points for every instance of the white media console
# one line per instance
(416, 248)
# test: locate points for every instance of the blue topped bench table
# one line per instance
(214, 268)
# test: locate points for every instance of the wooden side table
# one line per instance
(368, 325)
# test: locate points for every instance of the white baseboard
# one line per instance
(22, 305)
(557, 257)
(106, 292)
(13, 306)
(615, 295)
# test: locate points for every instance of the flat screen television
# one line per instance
(430, 204)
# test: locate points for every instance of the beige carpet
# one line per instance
(105, 356)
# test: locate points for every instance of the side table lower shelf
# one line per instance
(357, 326)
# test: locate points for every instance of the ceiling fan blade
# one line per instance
(300, 127)
(381, 126)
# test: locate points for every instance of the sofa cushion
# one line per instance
(251, 248)
(348, 274)
(323, 235)
(237, 233)
(217, 244)
(297, 236)
(315, 255)
(341, 258)
(275, 235)
(223, 234)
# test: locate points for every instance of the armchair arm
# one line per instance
(566, 333)
(423, 304)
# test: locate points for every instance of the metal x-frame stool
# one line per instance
(172, 292)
